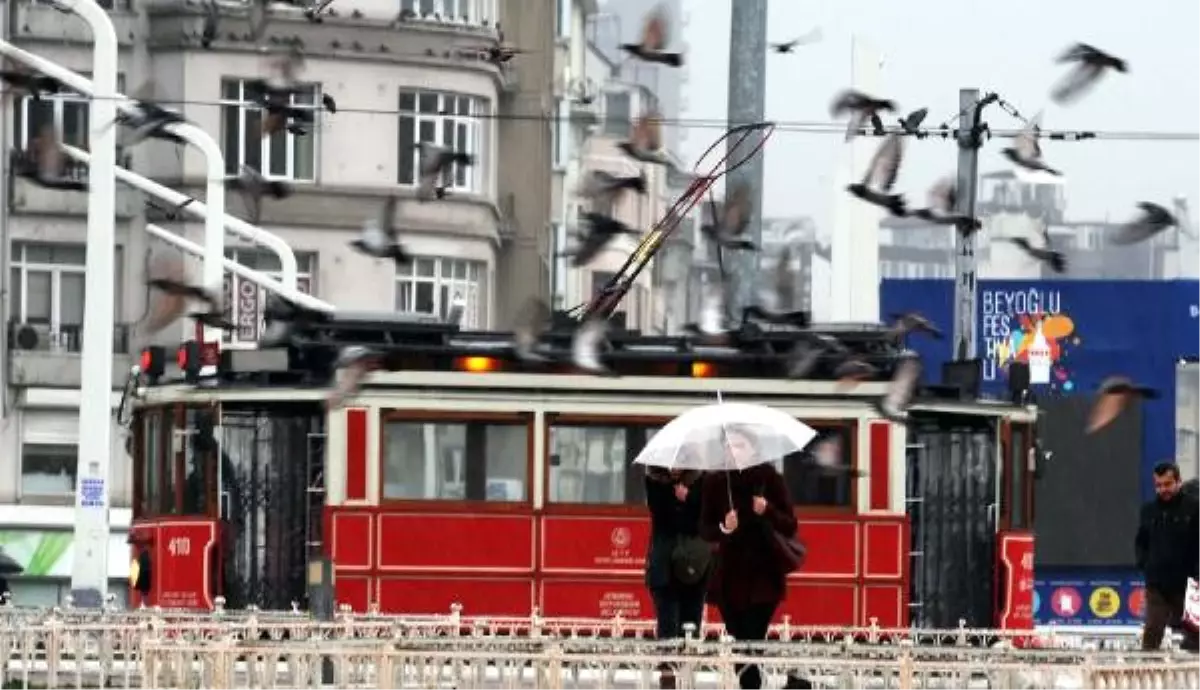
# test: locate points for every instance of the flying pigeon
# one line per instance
(894, 404)
(827, 456)
(212, 24)
(436, 163)
(379, 236)
(586, 345)
(283, 318)
(532, 322)
(729, 230)
(645, 140)
(1090, 64)
(943, 200)
(910, 124)
(777, 304)
(905, 325)
(604, 188)
(1026, 152)
(876, 185)
(1045, 253)
(854, 370)
(1152, 220)
(1114, 395)
(44, 163)
(655, 36)
(252, 187)
(862, 109)
(812, 36)
(148, 119)
(598, 231)
(167, 277)
(354, 362)
(22, 83)
(809, 350)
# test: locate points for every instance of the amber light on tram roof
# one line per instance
(703, 370)
(476, 364)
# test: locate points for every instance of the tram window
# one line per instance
(812, 484)
(592, 463)
(151, 461)
(456, 461)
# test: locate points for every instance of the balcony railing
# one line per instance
(32, 336)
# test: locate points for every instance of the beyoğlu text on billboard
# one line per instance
(1073, 334)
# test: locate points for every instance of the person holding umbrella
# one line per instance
(746, 513)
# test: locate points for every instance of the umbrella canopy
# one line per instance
(725, 436)
(9, 566)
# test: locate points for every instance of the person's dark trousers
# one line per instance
(675, 606)
(748, 625)
(1163, 609)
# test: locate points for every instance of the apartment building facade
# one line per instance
(397, 82)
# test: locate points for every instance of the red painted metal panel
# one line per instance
(353, 590)
(819, 603)
(356, 454)
(884, 603)
(414, 542)
(596, 598)
(351, 535)
(833, 548)
(182, 554)
(880, 460)
(883, 550)
(595, 545)
(1014, 555)
(434, 595)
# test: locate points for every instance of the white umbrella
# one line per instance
(699, 438)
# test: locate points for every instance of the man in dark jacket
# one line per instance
(1168, 553)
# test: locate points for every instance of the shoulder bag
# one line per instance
(691, 559)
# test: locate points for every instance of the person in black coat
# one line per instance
(1168, 553)
(674, 501)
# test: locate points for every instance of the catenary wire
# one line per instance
(791, 126)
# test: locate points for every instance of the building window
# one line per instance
(444, 119)
(48, 471)
(427, 286)
(47, 293)
(283, 155)
(464, 11)
(456, 460)
(617, 113)
(244, 300)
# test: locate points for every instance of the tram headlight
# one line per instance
(477, 365)
(703, 370)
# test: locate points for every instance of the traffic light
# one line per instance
(153, 362)
(190, 360)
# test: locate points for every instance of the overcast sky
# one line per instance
(930, 49)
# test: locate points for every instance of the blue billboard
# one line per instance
(1088, 597)
(1072, 333)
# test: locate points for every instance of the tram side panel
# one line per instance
(587, 561)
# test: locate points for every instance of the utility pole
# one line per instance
(966, 287)
(747, 103)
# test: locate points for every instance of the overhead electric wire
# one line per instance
(792, 126)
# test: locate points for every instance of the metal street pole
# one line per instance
(966, 287)
(747, 103)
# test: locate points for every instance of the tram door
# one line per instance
(175, 535)
(953, 509)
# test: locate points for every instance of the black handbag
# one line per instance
(691, 559)
(789, 551)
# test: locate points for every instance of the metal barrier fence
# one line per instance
(61, 648)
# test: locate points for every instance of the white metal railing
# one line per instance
(73, 648)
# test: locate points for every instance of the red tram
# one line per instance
(460, 476)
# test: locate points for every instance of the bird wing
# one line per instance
(531, 322)
(885, 165)
(1142, 228)
(904, 383)
(1077, 53)
(846, 101)
(1076, 82)
(1026, 143)
(585, 346)
(387, 219)
(943, 196)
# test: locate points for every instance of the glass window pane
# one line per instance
(41, 115)
(16, 292)
(427, 103)
(75, 124)
(39, 253)
(809, 480)
(70, 299)
(408, 101)
(231, 137)
(587, 463)
(37, 296)
(460, 269)
(405, 159)
(443, 294)
(426, 267)
(231, 90)
(475, 461)
(68, 254)
(423, 300)
(251, 139)
(427, 131)
(277, 146)
(304, 157)
(48, 469)
(460, 141)
(404, 296)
